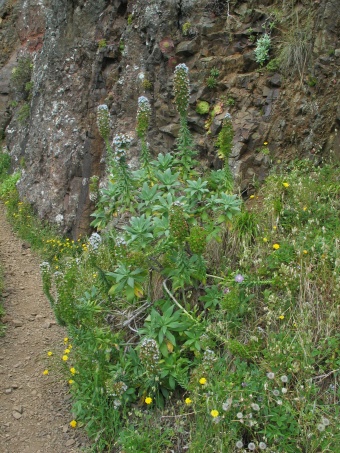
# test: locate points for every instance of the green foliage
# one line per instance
(194, 315)
(186, 28)
(5, 163)
(214, 72)
(147, 84)
(202, 107)
(21, 78)
(263, 45)
(22, 86)
(136, 438)
(246, 225)
(8, 185)
(128, 281)
(102, 44)
(311, 81)
(251, 336)
(273, 65)
(24, 113)
(211, 82)
(164, 327)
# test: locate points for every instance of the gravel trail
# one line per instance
(34, 408)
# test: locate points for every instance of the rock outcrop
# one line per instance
(87, 52)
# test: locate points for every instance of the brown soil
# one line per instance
(34, 409)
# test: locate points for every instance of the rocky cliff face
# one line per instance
(87, 52)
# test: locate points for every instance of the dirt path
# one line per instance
(34, 409)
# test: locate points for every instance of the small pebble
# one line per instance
(16, 415)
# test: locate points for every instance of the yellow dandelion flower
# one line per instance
(202, 381)
(71, 381)
(276, 246)
(73, 370)
(265, 143)
(69, 346)
(65, 358)
(214, 413)
(282, 317)
(251, 197)
(188, 401)
(73, 423)
(285, 184)
(305, 252)
(265, 240)
(65, 340)
(148, 400)
(67, 351)
(50, 353)
(45, 372)
(305, 208)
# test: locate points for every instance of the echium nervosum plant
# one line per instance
(185, 145)
(143, 121)
(120, 182)
(182, 89)
(103, 122)
(121, 144)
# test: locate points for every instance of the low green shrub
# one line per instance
(263, 45)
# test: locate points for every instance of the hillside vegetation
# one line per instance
(198, 321)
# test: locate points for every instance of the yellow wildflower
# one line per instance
(65, 340)
(282, 317)
(71, 381)
(214, 413)
(285, 184)
(50, 353)
(73, 370)
(65, 358)
(305, 252)
(265, 240)
(188, 401)
(251, 197)
(305, 208)
(45, 372)
(265, 143)
(276, 246)
(67, 351)
(203, 381)
(73, 423)
(148, 400)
